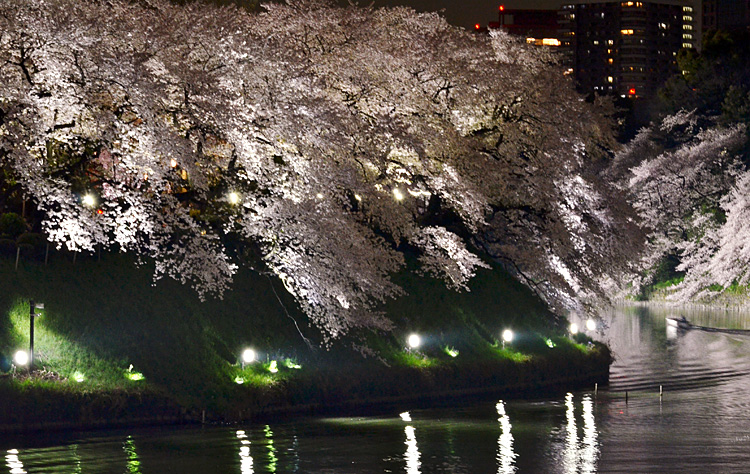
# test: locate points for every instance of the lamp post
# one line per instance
(32, 314)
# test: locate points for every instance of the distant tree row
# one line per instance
(688, 172)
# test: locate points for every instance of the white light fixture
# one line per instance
(507, 335)
(414, 341)
(574, 328)
(89, 201)
(248, 356)
(591, 325)
(234, 198)
(21, 358)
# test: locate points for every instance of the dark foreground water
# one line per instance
(701, 424)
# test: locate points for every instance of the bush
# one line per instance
(11, 225)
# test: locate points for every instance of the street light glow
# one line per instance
(574, 328)
(21, 358)
(507, 335)
(89, 201)
(248, 356)
(591, 325)
(414, 341)
(234, 198)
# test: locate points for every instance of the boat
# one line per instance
(679, 323)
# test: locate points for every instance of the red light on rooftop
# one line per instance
(99, 211)
(632, 91)
(502, 7)
(477, 26)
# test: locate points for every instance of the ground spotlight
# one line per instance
(248, 357)
(414, 341)
(574, 329)
(507, 335)
(21, 358)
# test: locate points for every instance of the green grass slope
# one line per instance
(107, 328)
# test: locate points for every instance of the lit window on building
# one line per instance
(687, 9)
(687, 45)
(687, 36)
(610, 79)
(626, 32)
(610, 42)
(687, 18)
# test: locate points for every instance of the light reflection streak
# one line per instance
(505, 454)
(272, 459)
(580, 456)
(246, 461)
(570, 457)
(14, 462)
(412, 451)
(74, 451)
(590, 448)
(133, 463)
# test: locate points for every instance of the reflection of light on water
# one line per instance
(77, 459)
(405, 416)
(570, 458)
(272, 459)
(13, 462)
(246, 461)
(412, 451)
(505, 453)
(133, 463)
(589, 449)
(580, 457)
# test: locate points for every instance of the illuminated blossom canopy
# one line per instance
(689, 185)
(324, 145)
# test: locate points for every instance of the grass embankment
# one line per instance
(110, 346)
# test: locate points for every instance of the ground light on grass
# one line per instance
(291, 364)
(59, 355)
(21, 358)
(415, 359)
(133, 375)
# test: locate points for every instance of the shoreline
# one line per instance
(50, 410)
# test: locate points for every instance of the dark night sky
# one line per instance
(468, 12)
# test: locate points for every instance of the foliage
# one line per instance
(687, 173)
(11, 225)
(317, 143)
(714, 81)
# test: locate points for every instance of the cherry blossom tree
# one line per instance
(322, 144)
(685, 177)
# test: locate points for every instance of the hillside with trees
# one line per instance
(323, 146)
(687, 175)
